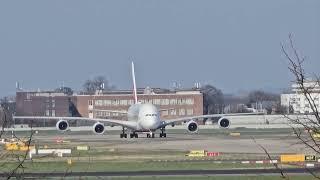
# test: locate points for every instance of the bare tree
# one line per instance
(97, 83)
(213, 101)
(310, 123)
(18, 170)
(259, 96)
(65, 90)
(303, 126)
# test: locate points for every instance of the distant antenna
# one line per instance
(197, 85)
(18, 88)
(176, 85)
(17, 85)
(102, 86)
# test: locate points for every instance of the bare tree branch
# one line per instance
(309, 123)
(283, 175)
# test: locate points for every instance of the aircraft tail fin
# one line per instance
(134, 83)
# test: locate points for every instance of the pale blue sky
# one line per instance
(231, 44)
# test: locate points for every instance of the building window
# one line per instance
(189, 101)
(47, 112)
(115, 102)
(106, 113)
(130, 102)
(53, 113)
(29, 96)
(164, 102)
(164, 113)
(173, 112)
(182, 112)
(189, 111)
(156, 101)
(173, 101)
(123, 102)
(106, 102)
(181, 101)
(96, 102)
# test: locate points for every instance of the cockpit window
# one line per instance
(151, 114)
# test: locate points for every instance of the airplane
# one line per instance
(141, 118)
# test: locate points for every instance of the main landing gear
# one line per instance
(150, 135)
(163, 134)
(133, 135)
(123, 134)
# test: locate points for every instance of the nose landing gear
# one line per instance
(163, 134)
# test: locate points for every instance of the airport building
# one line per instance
(111, 104)
(297, 103)
(44, 103)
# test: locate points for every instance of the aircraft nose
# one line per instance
(150, 123)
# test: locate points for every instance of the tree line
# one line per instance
(215, 101)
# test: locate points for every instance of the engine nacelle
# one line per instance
(192, 126)
(224, 122)
(62, 125)
(98, 128)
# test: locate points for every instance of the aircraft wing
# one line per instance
(189, 118)
(127, 124)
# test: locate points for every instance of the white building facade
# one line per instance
(297, 102)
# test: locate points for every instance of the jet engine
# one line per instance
(98, 128)
(224, 122)
(62, 125)
(192, 127)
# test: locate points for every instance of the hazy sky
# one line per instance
(233, 45)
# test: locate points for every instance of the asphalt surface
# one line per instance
(275, 141)
(172, 173)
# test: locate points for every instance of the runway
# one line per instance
(155, 154)
(183, 141)
(274, 140)
(173, 173)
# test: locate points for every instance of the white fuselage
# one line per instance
(146, 115)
